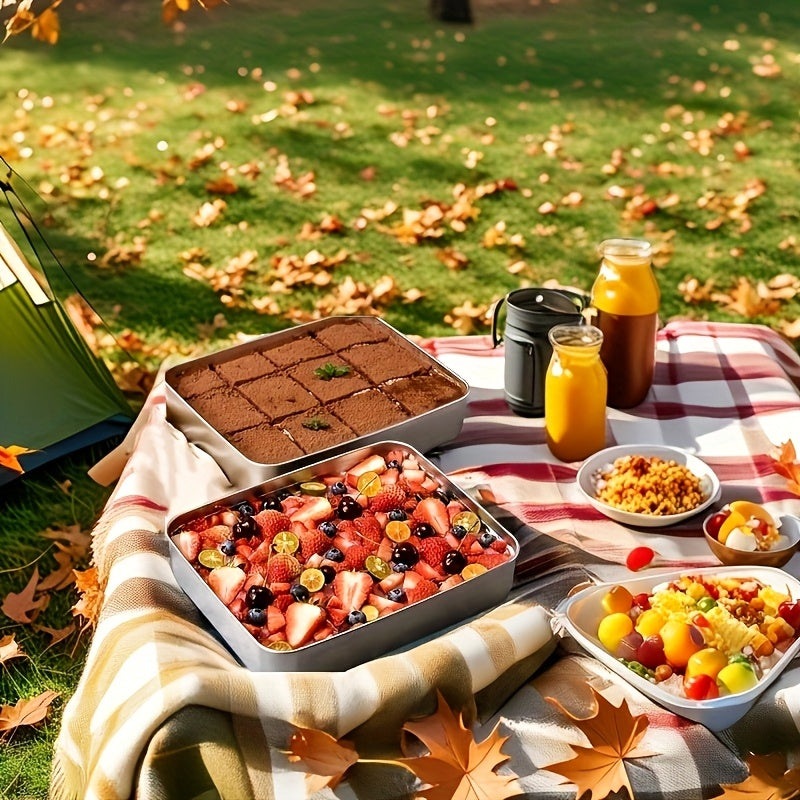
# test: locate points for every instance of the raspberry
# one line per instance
(388, 497)
(283, 568)
(271, 522)
(355, 555)
(370, 529)
(422, 590)
(432, 550)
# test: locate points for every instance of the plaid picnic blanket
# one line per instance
(162, 710)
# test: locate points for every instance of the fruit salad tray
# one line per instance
(333, 564)
(291, 398)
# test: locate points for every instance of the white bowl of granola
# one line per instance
(648, 486)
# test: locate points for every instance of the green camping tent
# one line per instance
(55, 395)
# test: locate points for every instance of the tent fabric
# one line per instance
(55, 395)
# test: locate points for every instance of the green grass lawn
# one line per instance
(676, 121)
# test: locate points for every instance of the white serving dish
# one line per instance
(581, 614)
(585, 478)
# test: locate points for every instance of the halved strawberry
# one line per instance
(302, 622)
(373, 463)
(324, 633)
(429, 571)
(392, 582)
(276, 621)
(188, 542)
(383, 604)
(489, 559)
(370, 529)
(432, 549)
(352, 588)
(312, 543)
(315, 509)
(452, 581)
(226, 582)
(214, 536)
(356, 554)
(283, 601)
(433, 511)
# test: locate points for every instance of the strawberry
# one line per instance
(383, 604)
(338, 616)
(432, 549)
(283, 568)
(373, 463)
(451, 581)
(429, 571)
(226, 582)
(188, 542)
(352, 588)
(302, 622)
(370, 529)
(312, 542)
(199, 524)
(499, 546)
(282, 602)
(489, 559)
(314, 510)
(324, 633)
(355, 555)
(433, 511)
(423, 589)
(214, 536)
(275, 619)
(271, 522)
(388, 497)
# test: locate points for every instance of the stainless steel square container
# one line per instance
(424, 430)
(360, 643)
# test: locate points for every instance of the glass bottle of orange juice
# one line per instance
(575, 393)
(626, 297)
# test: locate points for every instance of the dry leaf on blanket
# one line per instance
(614, 735)
(91, 599)
(26, 712)
(785, 463)
(24, 606)
(9, 648)
(9, 457)
(768, 780)
(456, 765)
(327, 758)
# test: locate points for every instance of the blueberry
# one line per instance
(299, 592)
(334, 554)
(459, 531)
(328, 528)
(245, 508)
(396, 595)
(328, 571)
(256, 616)
(397, 514)
(356, 617)
(228, 547)
(349, 508)
(258, 597)
(273, 503)
(405, 553)
(338, 488)
(397, 567)
(486, 539)
(453, 562)
(424, 530)
(393, 464)
(245, 528)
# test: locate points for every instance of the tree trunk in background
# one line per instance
(451, 10)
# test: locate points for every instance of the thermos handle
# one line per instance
(495, 338)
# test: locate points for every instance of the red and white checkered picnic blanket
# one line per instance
(163, 710)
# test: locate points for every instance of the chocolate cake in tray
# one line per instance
(286, 399)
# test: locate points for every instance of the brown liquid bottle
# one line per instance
(626, 297)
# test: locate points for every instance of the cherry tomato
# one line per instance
(639, 557)
(715, 522)
(700, 687)
(790, 611)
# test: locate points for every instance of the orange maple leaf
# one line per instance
(24, 606)
(768, 780)
(327, 758)
(26, 712)
(785, 463)
(9, 457)
(456, 765)
(91, 599)
(613, 735)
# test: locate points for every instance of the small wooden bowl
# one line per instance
(730, 556)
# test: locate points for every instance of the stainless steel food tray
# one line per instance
(424, 431)
(362, 643)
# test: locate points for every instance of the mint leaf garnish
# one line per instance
(316, 424)
(328, 371)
